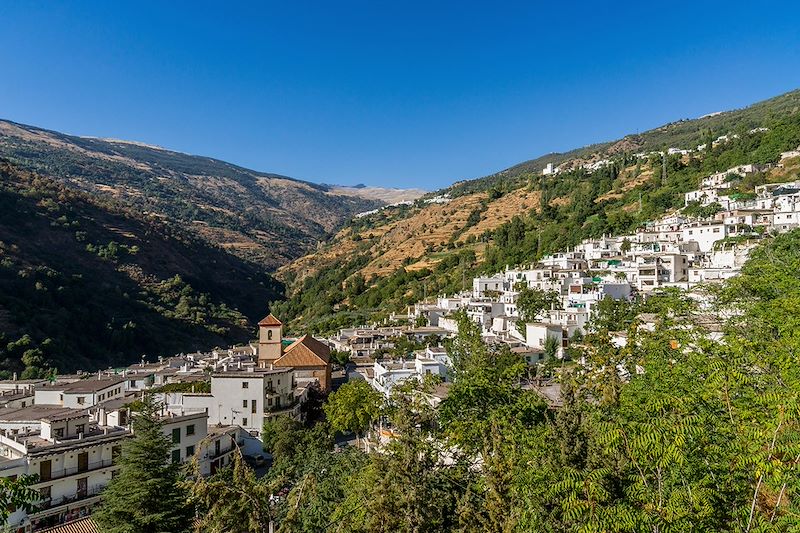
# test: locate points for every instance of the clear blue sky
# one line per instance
(400, 93)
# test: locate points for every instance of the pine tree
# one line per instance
(145, 496)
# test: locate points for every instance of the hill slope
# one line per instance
(399, 255)
(266, 218)
(86, 281)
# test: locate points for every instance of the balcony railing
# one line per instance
(283, 407)
(71, 471)
(50, 503)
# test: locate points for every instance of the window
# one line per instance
(59, 432)
(245, 384)
(176, 435)
(189, 451)
(44, 493)
(79, 428)
(190, 430)
(244, 403)
(81, 400)
(253, 406)
(176, 456)
(269, 334)
(244, 421)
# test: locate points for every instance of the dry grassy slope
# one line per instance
(426, 231)
(420, 236)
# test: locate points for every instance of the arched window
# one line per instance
(269, 334)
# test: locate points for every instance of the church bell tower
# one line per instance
(270, 335)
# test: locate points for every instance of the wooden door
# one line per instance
(45, 470)
(83, 462)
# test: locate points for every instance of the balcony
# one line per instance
(73, 470)
(52, 503)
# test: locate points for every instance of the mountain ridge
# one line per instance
(262, 217)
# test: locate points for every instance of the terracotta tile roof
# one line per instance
(305, 351)
(270, 320)
(84, 525)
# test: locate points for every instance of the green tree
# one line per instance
(340, 357)
(532, 302)
(17, 494)
(231, 501)
(145, 495)
(354, 407)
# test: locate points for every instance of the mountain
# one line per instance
(265, 218)
(382, 262)
(88, 281)
(381, 194)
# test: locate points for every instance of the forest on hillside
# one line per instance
(86, 282)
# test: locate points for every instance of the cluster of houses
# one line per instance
(69, 430)
(773, 207)
(674, 251)
(679, 250)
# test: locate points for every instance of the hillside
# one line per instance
(86, 281)
(264, 218)
(400, 255)
(381, 194)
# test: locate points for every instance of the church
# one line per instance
(309, 358)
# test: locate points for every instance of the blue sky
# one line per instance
(407, 94)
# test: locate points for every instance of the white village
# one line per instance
(68, 430)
